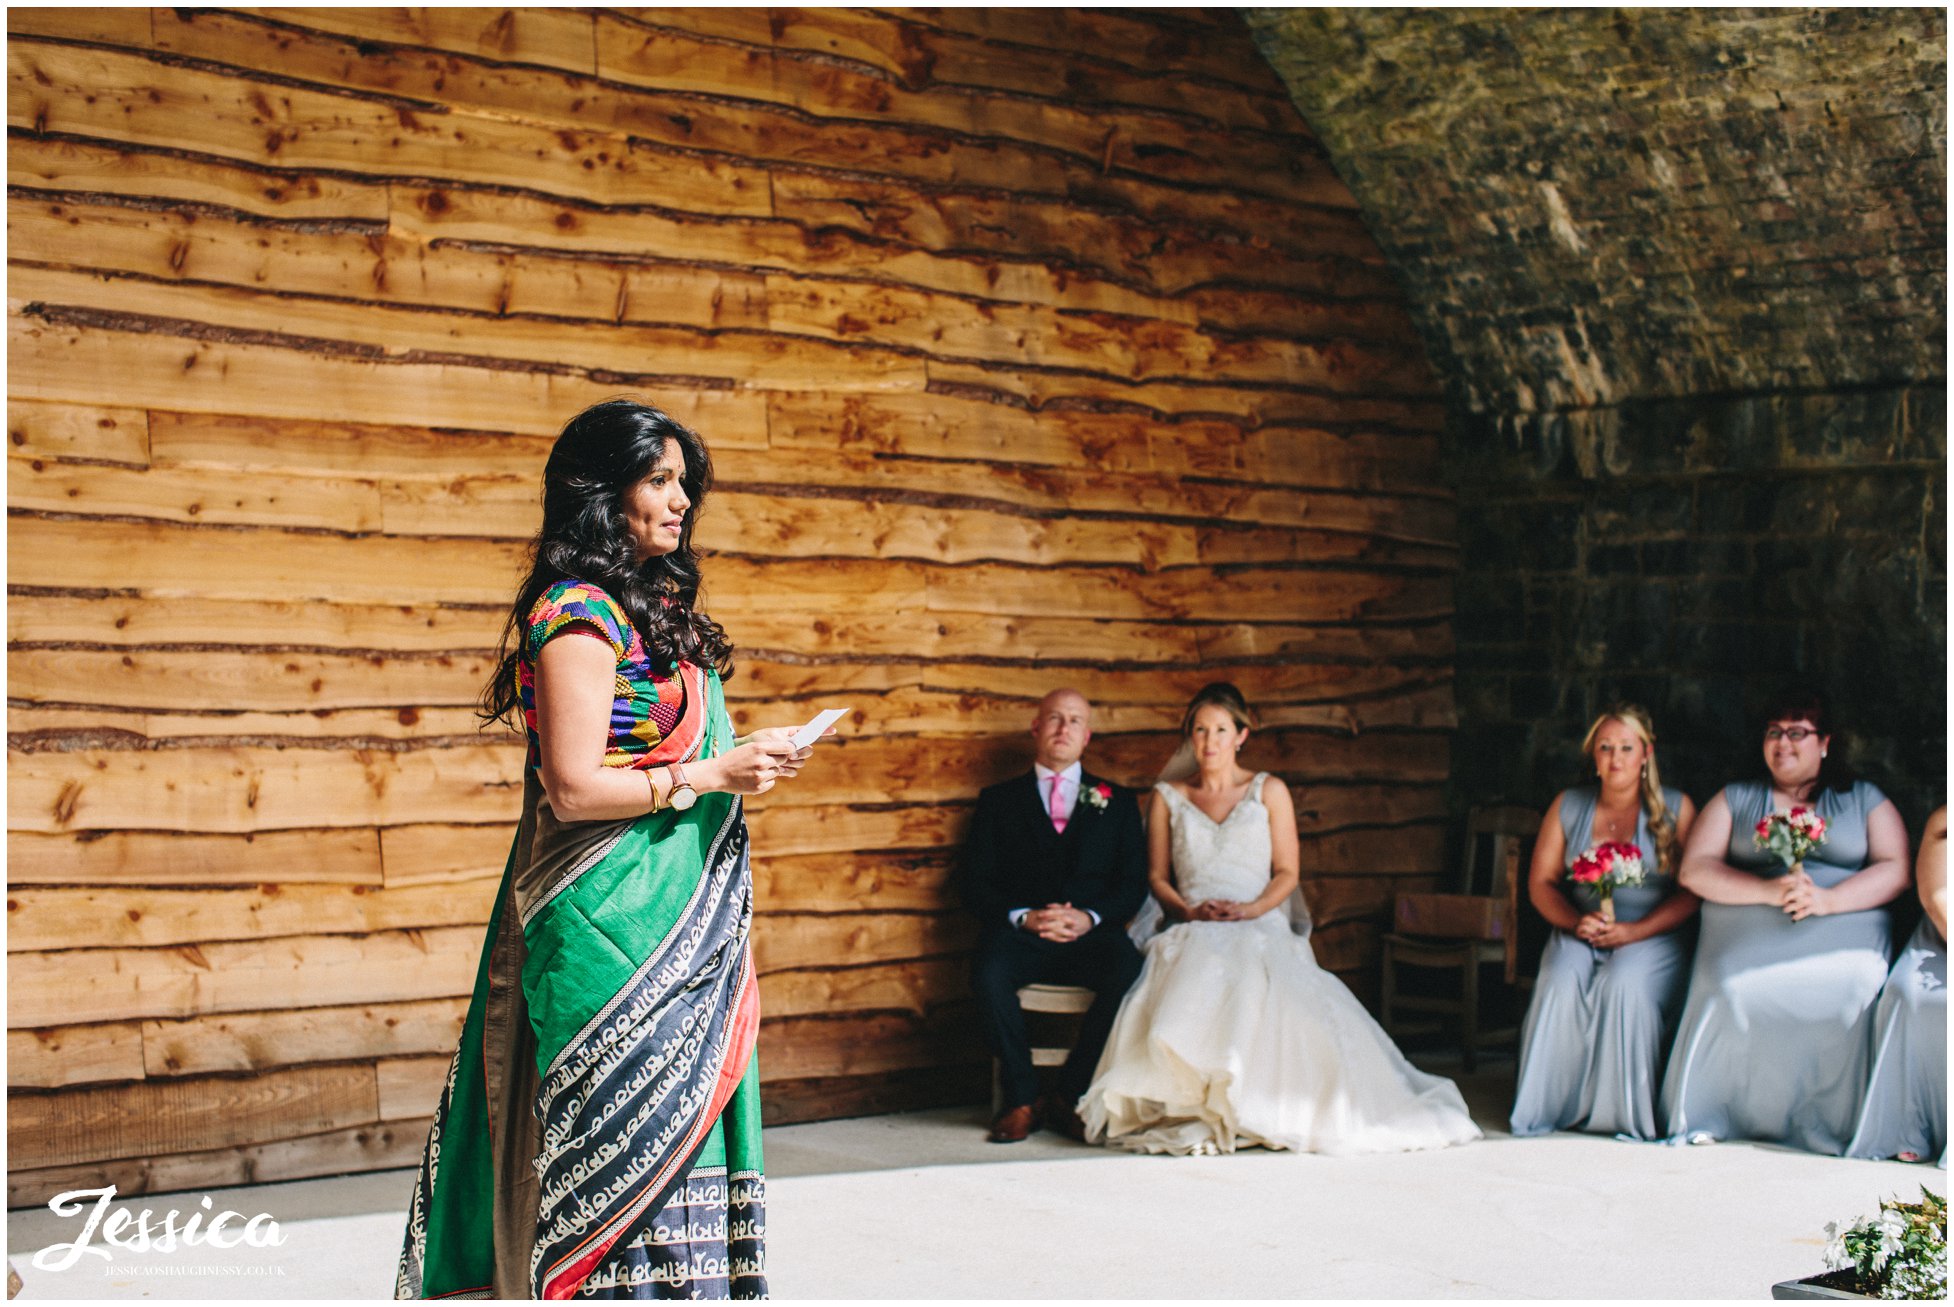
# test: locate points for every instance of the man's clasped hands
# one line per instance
(1061, 923)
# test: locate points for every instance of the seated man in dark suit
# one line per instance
(1055, 866)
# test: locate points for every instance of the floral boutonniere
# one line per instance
(1098, 796)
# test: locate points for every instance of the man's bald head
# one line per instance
(1061, 728)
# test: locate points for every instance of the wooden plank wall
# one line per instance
(1035, 348)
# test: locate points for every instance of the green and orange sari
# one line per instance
(599, 1135)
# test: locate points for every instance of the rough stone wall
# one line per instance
(1591, 206)
(1683, 275)
(1691, 554)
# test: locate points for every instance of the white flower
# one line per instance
(1892, 1227)
(1836, 1255)
(1901, 1251)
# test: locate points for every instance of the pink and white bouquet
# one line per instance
(1791, 836)
(1608, 867)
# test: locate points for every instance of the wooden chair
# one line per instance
(1464, 932)
(1063, 999)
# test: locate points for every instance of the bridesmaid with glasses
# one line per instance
(1608, 991)
(1775, 1036)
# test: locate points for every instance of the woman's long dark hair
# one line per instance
(1801, 702)
(603, 452)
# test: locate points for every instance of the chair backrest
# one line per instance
(1484, 912)
(1504, 830)
(1449, 916)
(1508, 831)
(1515, 876)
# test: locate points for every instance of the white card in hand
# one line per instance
(811, 732)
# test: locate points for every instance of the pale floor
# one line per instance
(920, 1206)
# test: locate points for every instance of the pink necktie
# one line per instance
(1059, 815)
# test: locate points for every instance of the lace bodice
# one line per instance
(1228, 859)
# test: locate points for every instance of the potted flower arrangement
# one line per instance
(1901, 1253)
(1608, 867)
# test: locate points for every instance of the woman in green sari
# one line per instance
(599, 1134)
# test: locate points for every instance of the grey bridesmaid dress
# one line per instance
(1775, 1035)
(1591, 1048)
(1906, 1098)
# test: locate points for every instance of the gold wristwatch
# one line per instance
(682, 795)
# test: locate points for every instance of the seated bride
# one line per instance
(1233, 1036)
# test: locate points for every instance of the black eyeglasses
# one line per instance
(1797, 734)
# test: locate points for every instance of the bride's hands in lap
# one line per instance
(1218, 910)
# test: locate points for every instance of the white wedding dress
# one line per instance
(1233, 1036)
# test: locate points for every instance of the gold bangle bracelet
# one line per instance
(652, 787)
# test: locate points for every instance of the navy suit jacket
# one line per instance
(1014, 859)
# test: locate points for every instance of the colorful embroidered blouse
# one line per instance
(648, 702)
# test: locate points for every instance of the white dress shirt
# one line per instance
(1068, 798)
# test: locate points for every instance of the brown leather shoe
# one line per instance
(1061, 1116)
(1015, 1123)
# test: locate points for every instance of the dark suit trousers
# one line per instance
(1105, 962)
